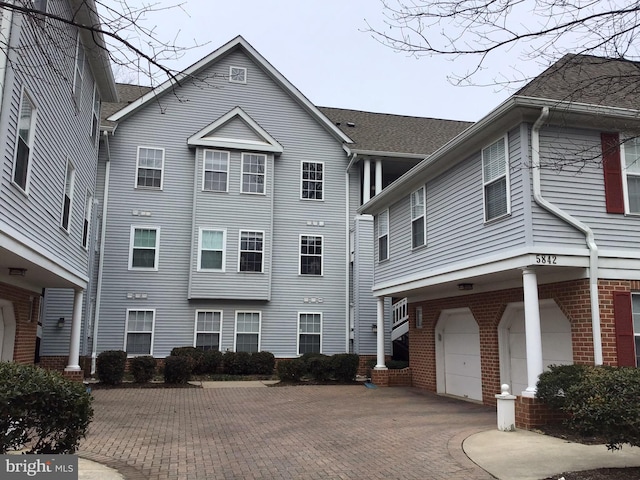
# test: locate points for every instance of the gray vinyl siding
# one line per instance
(171, 209)
(237, 129)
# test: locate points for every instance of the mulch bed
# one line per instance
(104, 386)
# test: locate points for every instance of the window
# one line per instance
(207, 333)
(211, 251)
(95, 118)
(635, 309)
(247, 332)
(312, 180)
(495, 180)
(418, 220)
(150, 167)
(67, 201)
(26, 124)
(383, 236)
(310, 255)
(631, 169)
(253, 172)
(144, 248)
(88, 206)
(79, 72)
(251, 247)
(237, 75)
(139, 337)
(216, 171)
(309, 333)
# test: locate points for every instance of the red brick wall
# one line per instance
(25, 343)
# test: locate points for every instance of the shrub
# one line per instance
(236, 363)
(554, 383)
(41, 409)
(291, 370)
(345, 366)
(211, 360)
(195, 355)
(320, 367)
(142, 368)
(262, 363)
(395, 364)
(177, 369)
(110, 366)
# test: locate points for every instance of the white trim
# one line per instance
(240, 232)
(379, 236)
(9, 331)
(127, 332)
(135, 180)
(302, 180)
(78, 72)
(235, 331)
(157, 247)
(424, 216)
(321, 237)
(625, 188)
(196, 331)
(32, 128)
(71, 180)
(238, 70)
(88, 211)
(95, 115)
(485, 183)
(224, 249)
(204, 169)
(307, 333)
(264, 174)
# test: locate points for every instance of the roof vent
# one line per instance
(351, 124)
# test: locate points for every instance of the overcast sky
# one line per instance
(322, 47)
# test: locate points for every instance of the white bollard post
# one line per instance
(506, 404)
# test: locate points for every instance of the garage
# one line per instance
(458, 367)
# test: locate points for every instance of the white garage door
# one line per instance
(458, 355)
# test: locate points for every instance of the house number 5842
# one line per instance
(546, 259)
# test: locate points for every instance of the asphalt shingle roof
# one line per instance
(126, 94)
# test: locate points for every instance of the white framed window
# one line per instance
(254, 169)
(88, 207)
(139, 332)
(237, 74)
(418, 218)
(251, 251)
(144, 248)
(630, 154)
(495, 180)
(95, 116)
(78, 72)
(215, 172)
(211, 249)
(383, 236)
(149, 168)
(311, 255)
(24, 142)
(309, 332)
(67, 199)
(312, 181)
(247, 338)
(635, 312)
(207, 330)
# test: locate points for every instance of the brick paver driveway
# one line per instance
(307, 432)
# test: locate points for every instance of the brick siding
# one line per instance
(26, 314)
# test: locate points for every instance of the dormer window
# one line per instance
(237, 75)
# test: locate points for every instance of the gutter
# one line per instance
(589, 237)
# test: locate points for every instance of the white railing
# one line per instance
(400, 313)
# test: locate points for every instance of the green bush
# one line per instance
(395, 364)
(291, 370)
(42, 410)
(554, 383)
(195, 355)
(262, 363)
(345, 366)
(177, 369)
(142, 368)
(320, 367)
(211, 360)
(110, 366)
(236, 363)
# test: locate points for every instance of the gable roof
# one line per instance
(238, 43)
(126, 95)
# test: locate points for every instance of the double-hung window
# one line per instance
(254, 167)
(635, 310)
(139, 337)
(78, 72)
(26, 124)
(247, 331)
(495, 180)
(67, 200)
(88, 206)
(211, 251)
(143, 253)
(383, 236)
(310, 255)
(312, 187)
(149, 168)
(309, 333)
(95, 115)
(207, 332)
(215, 171)
(418, 218)
(251, 249)
(631, 169)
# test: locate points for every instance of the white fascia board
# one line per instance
(236, 145)
(376, 153)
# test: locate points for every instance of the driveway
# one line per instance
(305, 432)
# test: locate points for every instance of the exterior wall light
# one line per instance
(465, 286)
(17, 271)
(374, 328)
(61, 322)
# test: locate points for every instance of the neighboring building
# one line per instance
(52, 80)
(516, 242)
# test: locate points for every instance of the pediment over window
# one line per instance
(236, 130)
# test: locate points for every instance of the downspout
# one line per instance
(348, 242)
(562, 215)
(103, 232)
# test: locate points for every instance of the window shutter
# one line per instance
(612, 172)
(625, 342)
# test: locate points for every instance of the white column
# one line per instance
(76, 321)
(380, 325)
(366, 181)
(378, 176)
(533, 334)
